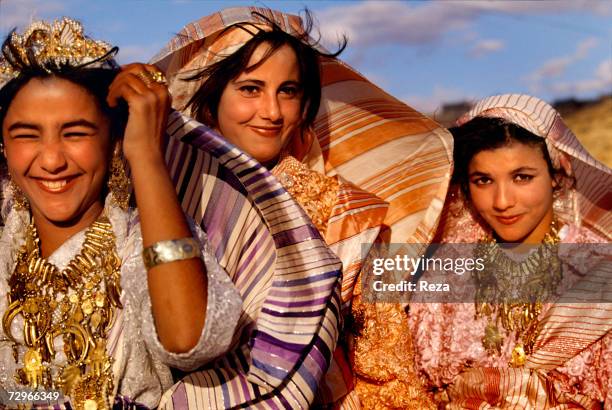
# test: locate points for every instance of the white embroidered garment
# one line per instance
(141, 364)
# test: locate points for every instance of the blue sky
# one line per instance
(423, 52)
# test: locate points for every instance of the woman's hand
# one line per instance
(149, 104)
(179, 289)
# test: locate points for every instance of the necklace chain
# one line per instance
(511, 293)
(77, 304)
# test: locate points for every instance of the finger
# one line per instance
(148, 71)
(127, 89)
(134, 67)
(125, 78)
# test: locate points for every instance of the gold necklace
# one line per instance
(511, 293)
(78, 304)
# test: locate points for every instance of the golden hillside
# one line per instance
(592, 125)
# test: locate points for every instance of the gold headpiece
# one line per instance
(53, 47)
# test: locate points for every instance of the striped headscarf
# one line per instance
(582, 316)
(399, 158)
(359, 129)
(588, 201)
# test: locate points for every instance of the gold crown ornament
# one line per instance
(53, 47)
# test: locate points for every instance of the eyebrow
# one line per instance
(77, 123)
(262, 83)
(258, 82)
(514, 171)
(80, 123)
(24, 125)
(478, 173)
(523, 169)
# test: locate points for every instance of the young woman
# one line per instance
(97, 299)
(256, 77)
(524, 342)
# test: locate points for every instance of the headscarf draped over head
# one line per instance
(587, 199)
(286, 275)
(362, 133)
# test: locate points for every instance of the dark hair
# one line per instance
(95, 80)
(205, 102)
(484, 133)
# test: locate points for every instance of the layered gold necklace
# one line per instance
(511, 293)
(77, 304)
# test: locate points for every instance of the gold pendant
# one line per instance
(492, 340)
(519, 357)
(77, 304)
(91, 392)
(33, 368)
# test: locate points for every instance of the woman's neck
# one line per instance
(53, 234)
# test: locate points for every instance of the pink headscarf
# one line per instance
(587, 202)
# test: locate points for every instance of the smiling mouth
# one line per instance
(508, 220)
(55, 186)
(267, 131)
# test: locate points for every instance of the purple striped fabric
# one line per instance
(275, 257)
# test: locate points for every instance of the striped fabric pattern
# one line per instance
(363, 134)
(393, 163)
(593, 179)
(287, 277)
(385, 147)
(583, 315)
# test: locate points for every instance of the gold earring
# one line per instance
(118, 181)
(20, 200)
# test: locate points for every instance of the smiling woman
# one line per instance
(363, 166)
(260, 110)
(98, 299)
(59, 160)
(537, 332)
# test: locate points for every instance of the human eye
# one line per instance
(24, 136)
(523, 178)
(76, 134)
(481, 180)
(249, 90)
(290, 90)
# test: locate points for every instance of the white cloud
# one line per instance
(420, 23)
(600, 82)
(432, 104)
(137, 53)
(556, 67)
(540, 6)
(583, 48)
(19, 13)
(484, 47)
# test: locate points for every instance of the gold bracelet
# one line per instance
(170, 251)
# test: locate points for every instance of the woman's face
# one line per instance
(260, 110)
(512, 189)
(56, 142)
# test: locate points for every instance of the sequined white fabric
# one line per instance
(141, 364)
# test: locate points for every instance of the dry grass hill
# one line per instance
(592, 124)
